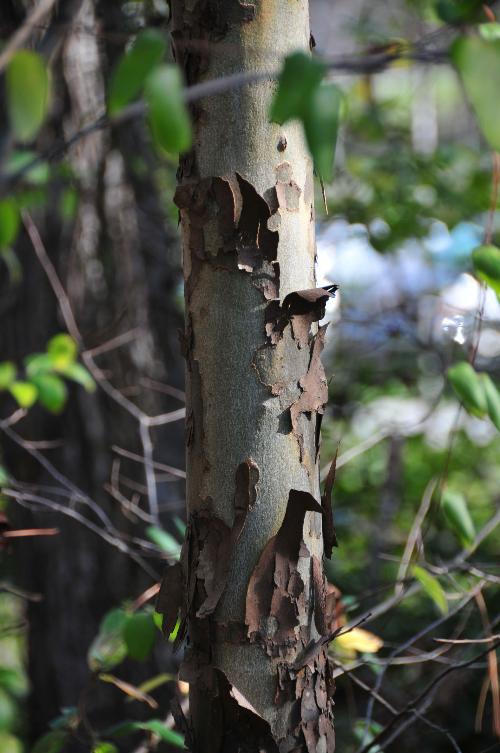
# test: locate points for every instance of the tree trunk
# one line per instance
(250, 585)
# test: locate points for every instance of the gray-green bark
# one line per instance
(255, 387)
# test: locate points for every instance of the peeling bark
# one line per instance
(249, 591)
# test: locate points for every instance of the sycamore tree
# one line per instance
(253, 114)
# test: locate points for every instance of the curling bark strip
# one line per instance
(249, 591)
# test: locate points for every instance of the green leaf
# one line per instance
(9, 222)
(489, 31)
(456, 513)
(79, 374)
(321, 123)
(52, 742)
(62, 350)
(69, 203)
(134, 67)
(24, 393)
(155, 682)
(168, 116)
(10, 744)
(68, 719)
(52, 392)
(458, 11)
(37, 175)
(14, 268)
(7, 374)
(139, 634)
(108, 648)
(468, 387)
(102, 747)
(486, 261)
(432, 587)
(300, 76)
(164, 733)
(153, 725)
(478, 62)
(38, 363)
(164, 541)
(158, 620)
(492, 400)
(4, 480)
(28, 95)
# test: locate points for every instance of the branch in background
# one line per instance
(353, 64)
(24, 32)
(145, 421)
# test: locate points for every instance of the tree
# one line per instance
(250, 587)
(249, 594)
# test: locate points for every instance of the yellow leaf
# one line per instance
(360, 640)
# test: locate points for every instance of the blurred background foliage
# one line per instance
(409, 201)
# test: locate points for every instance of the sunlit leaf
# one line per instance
(168, 115)
(432, 587)
(478, 62)
(134, 67)
(321, 123)
(300, 76)
(492, 400)
(28, 93)
(10, 744)
(158, 620)
(38, 363)
(468, 387)
(7, 374)
(108, 648)
(486, 261)
(62, 350)
(359, 640)
(24, 393)
(79, 374)
(164, 541)
(9, 222)
(52, 392)
(139, 634)
(456, 513)
(489, 31)
(104, 748)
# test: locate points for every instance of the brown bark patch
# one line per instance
(329, 534)
(275, 589)
(196, 583)
(303, 307)
(314, 390)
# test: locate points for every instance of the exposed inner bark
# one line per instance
(249, 592)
